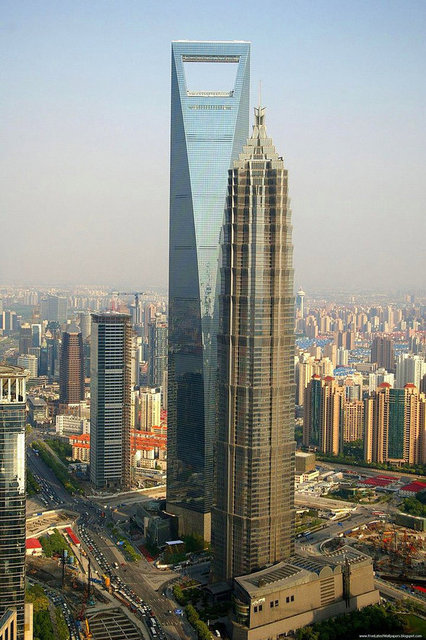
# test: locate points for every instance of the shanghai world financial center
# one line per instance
(208, 130)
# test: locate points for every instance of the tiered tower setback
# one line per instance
(253, 515)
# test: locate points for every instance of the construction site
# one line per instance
(398, 552)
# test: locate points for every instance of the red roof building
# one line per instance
(33, 547)
(414, 487)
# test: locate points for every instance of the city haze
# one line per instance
(85, 160)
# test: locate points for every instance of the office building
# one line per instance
(85, 324)
(54, 308)
(12, 493)
(36, 334)
(30, 363)
(253, 512)
(376, 378)
(209, 126)
(300, 303)
(71, 369)
(157, 350)
(110, 393)
(25, 338)
(382, 352)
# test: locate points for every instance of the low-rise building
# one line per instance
(80, 445)
(300, 591)
(37, 410)
(304, 462)
(67, 425)
(33, 547)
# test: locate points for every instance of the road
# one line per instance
(143, 578)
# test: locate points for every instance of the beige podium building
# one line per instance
(300, 591)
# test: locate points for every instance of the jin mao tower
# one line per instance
(253, 515)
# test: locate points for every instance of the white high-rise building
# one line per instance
(409, 370)
(381, 375)
(30, 363)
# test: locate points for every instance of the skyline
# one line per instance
(87, 114)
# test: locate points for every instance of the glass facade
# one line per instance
(12, 493)
(208, 130)
(253, 514)
(396, 427)
(110, 393)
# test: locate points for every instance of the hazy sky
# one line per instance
(85, 134)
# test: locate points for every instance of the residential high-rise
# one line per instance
(209, 126)
(323, 417)
(353, 420)
(410, 369)
(110, 400)
(253, 512)
(312, 412)
(149, 408)
(382, 352)
(71, 368)
(332, 401)
(12, 493)
(395, 425)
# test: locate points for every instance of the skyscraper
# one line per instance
(12, 492)
(25, 338)
(209, 126)
(300, 302)
(157, 351)
(110, 397)
(395, 425)
(71, 369)
(382, 352)
(332, 399)
(253, 515)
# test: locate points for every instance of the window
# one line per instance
(255, 609)
(260, 607)
(292, 598)
(276, 603)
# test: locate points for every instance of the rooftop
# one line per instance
(298, 569)
(9, 370)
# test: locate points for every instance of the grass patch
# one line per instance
(414, 624)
